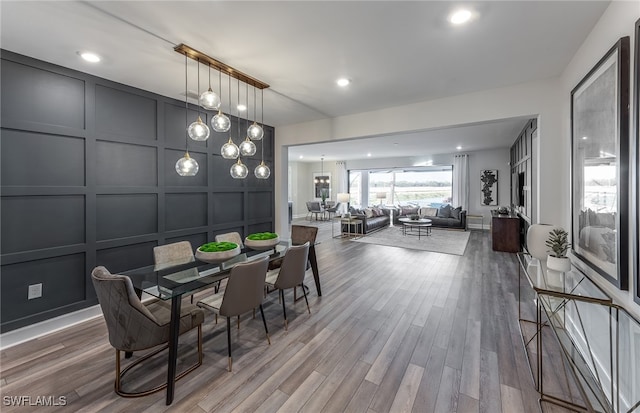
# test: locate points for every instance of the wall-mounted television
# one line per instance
(521, 180)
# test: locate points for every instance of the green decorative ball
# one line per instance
(218, 246)
(262, 236)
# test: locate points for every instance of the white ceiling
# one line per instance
(394, 52)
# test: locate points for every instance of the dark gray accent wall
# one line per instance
(88, 178)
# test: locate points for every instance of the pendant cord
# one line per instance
(246, 96)
(198, 88)
(186, 106)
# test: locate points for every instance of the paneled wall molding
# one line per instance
(88, 178)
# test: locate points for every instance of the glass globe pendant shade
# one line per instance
(247, 148)
(239, 170)
(187, 166)
(210, 100)
(262, 171)
(220, 122)
(230, 150)
(198, 130)
(255, 132)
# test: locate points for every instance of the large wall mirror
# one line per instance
(322, 185)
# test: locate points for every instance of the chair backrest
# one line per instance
(130, 324)
(293, 266)
(230, 237)
(245, 287)
(334, 208)
(309, 206)
(315, 206)
(178, 252)
(303, 233)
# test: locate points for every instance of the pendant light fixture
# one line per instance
(262, 171)
(198, 130)
(221, 122)
(255, 131)
(239, 170)
(210, 100)
(186, 166)
(230, 150)
(247, 148)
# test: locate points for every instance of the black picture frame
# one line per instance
(600, 166)
(636, 105)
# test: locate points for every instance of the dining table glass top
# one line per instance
(186, 276)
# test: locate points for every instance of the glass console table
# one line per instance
(599, 341)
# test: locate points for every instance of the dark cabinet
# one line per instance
(505, 232)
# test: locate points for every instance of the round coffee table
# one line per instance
(415, 226)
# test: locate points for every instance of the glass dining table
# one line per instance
(174, 280)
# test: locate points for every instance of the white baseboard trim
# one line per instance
(21, 335)
(478, 226)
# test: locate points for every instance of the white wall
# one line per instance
(490, 159)
(617, 21)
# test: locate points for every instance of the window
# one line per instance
(428, 186)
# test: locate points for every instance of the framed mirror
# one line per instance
(600, 166)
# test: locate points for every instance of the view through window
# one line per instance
(430, 186)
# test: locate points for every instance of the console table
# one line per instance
(599, 341)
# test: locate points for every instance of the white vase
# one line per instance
(562, 264)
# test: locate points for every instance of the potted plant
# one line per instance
(261, 240)
(323, 195)
(217, 251)
(557, 259)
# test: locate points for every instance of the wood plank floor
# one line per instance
(396, 330)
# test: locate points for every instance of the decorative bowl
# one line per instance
(217, 256)
(261, 240)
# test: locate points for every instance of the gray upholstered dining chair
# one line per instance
(230, 237)
(290, 274)
(314, 208)
(333, 209)
(172, 254)
(134, 326)
(177, 252)
(244, 292)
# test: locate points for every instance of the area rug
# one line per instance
(440, 240)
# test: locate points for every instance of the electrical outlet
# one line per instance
(35, 291)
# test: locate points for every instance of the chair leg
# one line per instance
(229, 342)
(238, 322)
(305, 298)
(264, 321)
(284, 311)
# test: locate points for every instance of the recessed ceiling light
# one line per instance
(584, 138)
(369, 154)
(301, 156)
(242, 107)
(90, 57)
(342, 82)
(458, 147)
(460, 16)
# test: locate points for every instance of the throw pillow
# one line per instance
(377, 212)
(445, 211)
(455, 212)
(428, 212)
(408, 210)
(368, 212)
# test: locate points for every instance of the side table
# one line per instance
(351, 223)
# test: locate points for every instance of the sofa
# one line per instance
(444, 217)
(373, 219)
